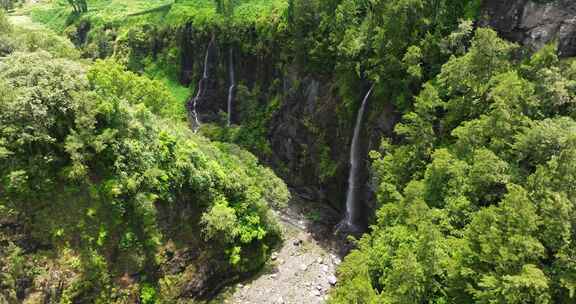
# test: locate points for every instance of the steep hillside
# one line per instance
(301, 70)
(439, 131)
(106, 196)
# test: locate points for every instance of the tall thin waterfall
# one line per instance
(351, 195)
(201, 84)
(232, 86)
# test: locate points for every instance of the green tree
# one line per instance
(79, 6)
(481, 180)
(91, 169)
(502, 254)
(225, 7)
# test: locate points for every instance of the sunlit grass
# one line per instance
(203, 12)
(57, 13)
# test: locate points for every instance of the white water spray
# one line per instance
(354, 165)
(201, 84)
(232, 86)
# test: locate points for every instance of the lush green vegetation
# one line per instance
(478, 199)
(105, 183)
(475, 189)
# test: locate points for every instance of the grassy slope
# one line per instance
(201, 12)
(56, 13)
(127, 13)
(135, 13)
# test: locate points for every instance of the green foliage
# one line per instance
(14, 38)
(5, 26)
(252, 134)
(113, 79)
(166, 70)
(53, 17)
(147, 294)
(476, 190)
(214, 13)
(79, 6)
(10, 4)
(476, 198)
(225, 7)
(92, 159)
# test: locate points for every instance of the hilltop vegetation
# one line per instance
(176, 13)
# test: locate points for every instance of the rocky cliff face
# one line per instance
(308, 135)
(308, 138)
(310, 131)
(534, 23)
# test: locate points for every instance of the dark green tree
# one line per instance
(79, 6)
(478, 194)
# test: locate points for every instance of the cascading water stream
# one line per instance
(232, 86)
(201, 84)
(351, 195)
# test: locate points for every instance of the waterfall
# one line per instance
(351, 195)
(232, 86)
(195, 119)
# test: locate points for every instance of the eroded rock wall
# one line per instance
(310, 132)
(534, 23)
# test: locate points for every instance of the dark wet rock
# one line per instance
(179, 260)
(310, 132)
(534, 23)
(82, 32)
(206, 280)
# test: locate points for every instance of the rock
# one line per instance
(303, 267)
(332, 280)
(319, 287)
(533, 24)
(316, 293)
(336, 260)
(297, 242)
(274, 256)
(325, 268)
(273, 276)
(206, 280)
(320, 261)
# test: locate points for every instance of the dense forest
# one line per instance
(149, 148)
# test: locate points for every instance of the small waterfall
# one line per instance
(195, 119)
(353, 187)
(232, 86)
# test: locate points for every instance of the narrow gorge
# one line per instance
(287, 151)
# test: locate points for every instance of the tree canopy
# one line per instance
(477, 200)
(94, 167)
